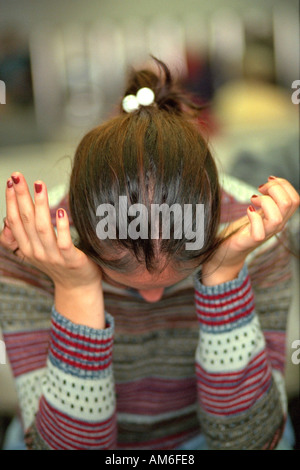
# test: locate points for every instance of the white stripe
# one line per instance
(84, 399)
(235, 353)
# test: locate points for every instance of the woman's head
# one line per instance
(152, 156)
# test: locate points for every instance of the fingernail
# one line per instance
(38, 187)
(9, 183)
(253, 195)
(251, 209)
(60, 213)
(261, 186)
(15, 179)
(272, 177)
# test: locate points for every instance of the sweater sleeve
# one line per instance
(77, 405)
(241, 399)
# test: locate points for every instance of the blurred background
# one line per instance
(64, 63)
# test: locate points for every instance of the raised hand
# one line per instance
(29, 232)
(276, 204)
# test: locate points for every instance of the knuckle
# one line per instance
(38, 254)
(11, 221)
(296, 201)
(41, 229)
(286, 204)
(26, 251)
(277, 220)
(64, 245)
(25, 217)
(259, 237)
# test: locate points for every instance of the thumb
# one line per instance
(7, 238)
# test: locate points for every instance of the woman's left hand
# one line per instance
(275, 206)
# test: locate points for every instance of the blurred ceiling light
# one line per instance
(166, 41)
(227, 40)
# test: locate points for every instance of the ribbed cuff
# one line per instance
(79, 349)
(224, 306)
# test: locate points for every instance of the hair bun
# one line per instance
(145, 86)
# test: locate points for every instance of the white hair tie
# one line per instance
(144, 97)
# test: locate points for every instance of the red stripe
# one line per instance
(71, 419)
(81, 366)
(21, 349)
(77, 354)
(229, 320)
(230, 409)
(48, 418)
(223, 304)
(237, 394)
(79, 336)
(225, 312)
(238, 410)
(225, 294)
(29, 334)
(65, 431)
(20, 370)
(83, 347)
(219, 376)
(49, 436)
(237, 390)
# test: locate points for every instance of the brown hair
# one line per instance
(153, 155)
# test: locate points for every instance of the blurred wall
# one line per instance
(79, 52)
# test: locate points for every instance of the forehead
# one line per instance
(141, 278)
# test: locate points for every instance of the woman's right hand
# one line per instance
(29, 232)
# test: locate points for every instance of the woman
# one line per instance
(125, 362)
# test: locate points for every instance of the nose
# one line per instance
(152, 295)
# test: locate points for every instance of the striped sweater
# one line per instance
(201, 360)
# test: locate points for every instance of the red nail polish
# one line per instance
(38, 187)
(60, 213)
(272, 177)
(16, 179)
(9, 184)
(251, 209)
(253, 195)
(261, 186)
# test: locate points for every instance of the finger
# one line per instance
(7, 233)
(272, 218)
(64, 240)
(7, 239)
(257, 229)
(289, 197)
(43, 224)
(282, 199)
(13, 218)
(26, 209)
